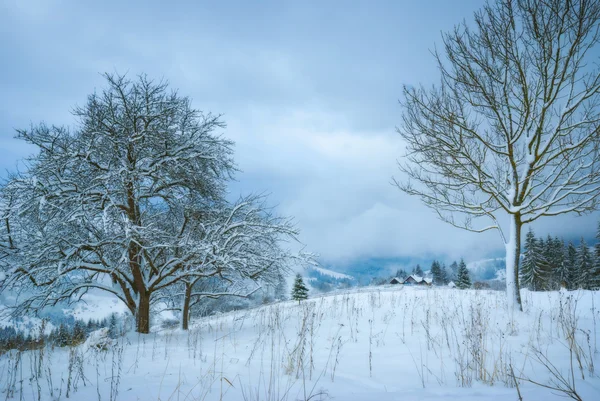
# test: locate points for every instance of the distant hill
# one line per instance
(487, 269)
(325, 280)
(363, 270)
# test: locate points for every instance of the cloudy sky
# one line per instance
(309, 92)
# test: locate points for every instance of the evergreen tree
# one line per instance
(570, 261)
(559, 255)
(527, 265)
(584, 265)
(299, 292)
(113, 326)
(535, 270)
(91, 326)
(463, 280)
(63, 335)
(452, 272)
(439, 274)
(542, 274)
(401, 274)
(418, 271)
(78, 333)
(553, 261)
(595, 279)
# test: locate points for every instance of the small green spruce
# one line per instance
(299, 291)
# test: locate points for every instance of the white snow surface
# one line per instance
(386, 344)
(97, 340)
(419, 279)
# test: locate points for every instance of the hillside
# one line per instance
(385, 344)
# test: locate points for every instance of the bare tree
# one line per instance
(511, 132)
(245, 249)
(115, 204)
(7, 243)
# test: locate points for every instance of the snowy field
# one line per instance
(384, 344)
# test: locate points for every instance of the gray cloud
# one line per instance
(309, 92)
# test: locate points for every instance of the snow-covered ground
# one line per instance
(391, 343)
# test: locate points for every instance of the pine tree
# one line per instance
(552, 261)
(542, 273)
(418, 271)
(78, 333)
(584, 265)
(401, 274)
(561, 272)
(439, 274)
(595, 279)
(535, 270)
(63, 335)
(463, 280)
(570, 261)
(113, 326)
(527, 266)
(299, 292)
(452, 272)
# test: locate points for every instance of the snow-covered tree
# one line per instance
(439, 273)
(245, 250)
(595, 276)
(510, 134)
(463, 279)
(417, 271)
(113, 326)
(555, 255)
(7, 240)
(117, 203)
(452, 271)
(558, 254)
(584, 265)
(527, 267)
(299, 291)
(570, 261)
(535, 270)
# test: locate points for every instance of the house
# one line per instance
(396, 280)
(451, 284)
(417, 280)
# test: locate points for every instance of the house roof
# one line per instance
(419, 279)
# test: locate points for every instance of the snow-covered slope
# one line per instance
(332, 273)
(384, 344)
(96, 305)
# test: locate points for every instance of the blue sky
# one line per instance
(309, 91)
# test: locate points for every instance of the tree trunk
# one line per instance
(513, 254)
(185, 315)
(143, 314)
